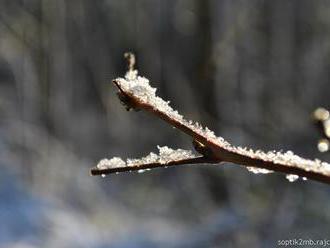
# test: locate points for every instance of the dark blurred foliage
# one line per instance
(253, 71)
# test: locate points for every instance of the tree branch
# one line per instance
(135, 92)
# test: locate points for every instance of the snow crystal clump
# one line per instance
(140, 88)
(323, 145)
(149, 159)
(115, 162)
(167, 154)
(256, 170)
(292, 178)
(131, 74)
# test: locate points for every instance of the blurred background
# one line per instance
(252, 71)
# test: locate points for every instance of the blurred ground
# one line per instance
(253, 71)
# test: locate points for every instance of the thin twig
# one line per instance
(197, 160)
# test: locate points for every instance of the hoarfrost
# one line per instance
(139, 88)
(323, 145)
(256, 170)
(292, 178)
(111, 163)
(131, 74)
(165, 156)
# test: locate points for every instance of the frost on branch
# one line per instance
(136, 92)
(166, 156)
(256, 170)
(115, 162)
(139, 88)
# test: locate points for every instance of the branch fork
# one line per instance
(136, 93)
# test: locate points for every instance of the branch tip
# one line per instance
(130, 58)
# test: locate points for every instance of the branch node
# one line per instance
(204, 150)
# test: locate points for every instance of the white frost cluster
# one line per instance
(288, 158)
(256, 170)
(140, 88)
(165, 156)
(292, 178)
(115, 162)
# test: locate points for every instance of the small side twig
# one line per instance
(141, 167)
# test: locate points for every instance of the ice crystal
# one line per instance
(256, 170)
(139, 88)
(111, 163)
(323, 145)
(321, 114)
(292, 178)
(149, 159)
(167, 154)
(131, 74)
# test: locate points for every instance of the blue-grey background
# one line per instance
(252, 71)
